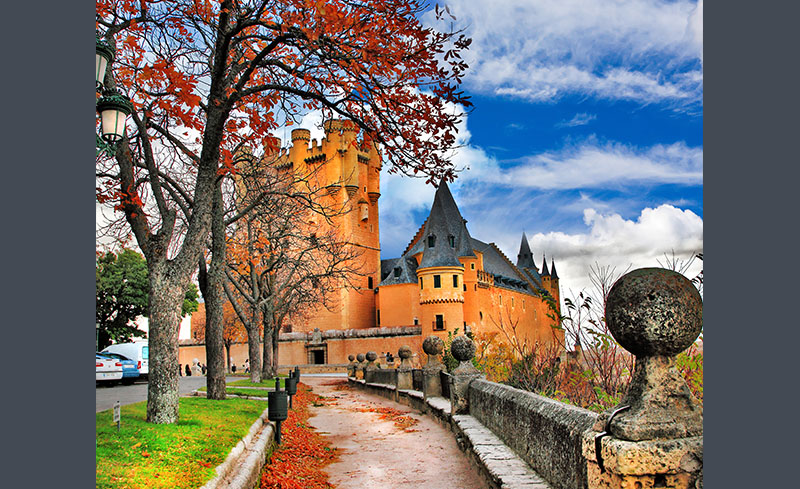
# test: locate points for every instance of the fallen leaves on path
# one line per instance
(399, 418)
(298, 462)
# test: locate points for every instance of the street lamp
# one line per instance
(104, 56)
(114, 109)
(97, 337)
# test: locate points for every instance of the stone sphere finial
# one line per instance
(360, 357)
(404, 352)
(372, 356)
(654, 311)
(462, 348)
(433, 345)
(351, 357)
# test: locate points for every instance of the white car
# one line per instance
(107, 369)
(137, 351)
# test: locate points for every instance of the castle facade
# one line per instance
(445, 281)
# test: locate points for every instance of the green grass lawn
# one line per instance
(244, 392)
(175, 456)
(264, 383)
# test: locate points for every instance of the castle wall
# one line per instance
(399, 304)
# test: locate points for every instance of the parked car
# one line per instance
(130, 372)
(107, 370)
(138, 352)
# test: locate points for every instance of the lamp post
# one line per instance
(97, 337)
(114, 107)
(104, 56)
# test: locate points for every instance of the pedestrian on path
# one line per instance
(188, 371)
(180, 369)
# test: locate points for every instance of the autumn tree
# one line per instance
(232, 331)
(206, 77)
(279, 264)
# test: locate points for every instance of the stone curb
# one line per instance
(242, 467)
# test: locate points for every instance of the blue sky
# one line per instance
(587, 134)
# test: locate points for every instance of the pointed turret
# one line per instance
(445, 237)
(545, 271)
(525, 257)
(553, 268)
(437, 249)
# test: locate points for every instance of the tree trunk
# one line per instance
(254, 351)
(267, 370)
(215, 298)
(166, 297)
(227, 357)
(275, 332)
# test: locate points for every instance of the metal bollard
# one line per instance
(277, 407)
(291, 387)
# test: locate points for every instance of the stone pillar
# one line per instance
(371, 367)
(405, 372)
(360, 367)
(657, 440)
(462, 349)
(351, 368)
(433, 346)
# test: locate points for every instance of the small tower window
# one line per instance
(452, 241)
(416, 322)
(439, 324)
(369, 282)
(472, 266)
(431, 241)
(437, 281)
(420, 283)
(455, 281)
(397, 272)
(378, 316)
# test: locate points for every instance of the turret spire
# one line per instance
(553, 268)
(545, 271)
(525, 257)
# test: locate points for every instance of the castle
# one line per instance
(445, 281)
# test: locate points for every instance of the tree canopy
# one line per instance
(208, 77)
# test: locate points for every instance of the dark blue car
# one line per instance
(129, 371)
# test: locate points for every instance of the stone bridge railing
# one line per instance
(653, 438)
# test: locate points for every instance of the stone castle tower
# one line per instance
(348, 169)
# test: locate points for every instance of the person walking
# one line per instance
(180, 369)
(188, 371)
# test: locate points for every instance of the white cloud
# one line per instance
(580, 119)
(539, 50)
(610, 240)
(592, 165)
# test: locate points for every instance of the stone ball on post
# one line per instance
(654, 312)
(360, 357)
(404, 352)
(351, 357)
(372, 356)
(462, 349)
(433, 345)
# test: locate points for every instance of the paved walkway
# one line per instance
(377, 453)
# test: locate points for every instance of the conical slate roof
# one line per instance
(553, 268)
(449, 231)
(525, 257)
(545, 271)
(401, 270)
